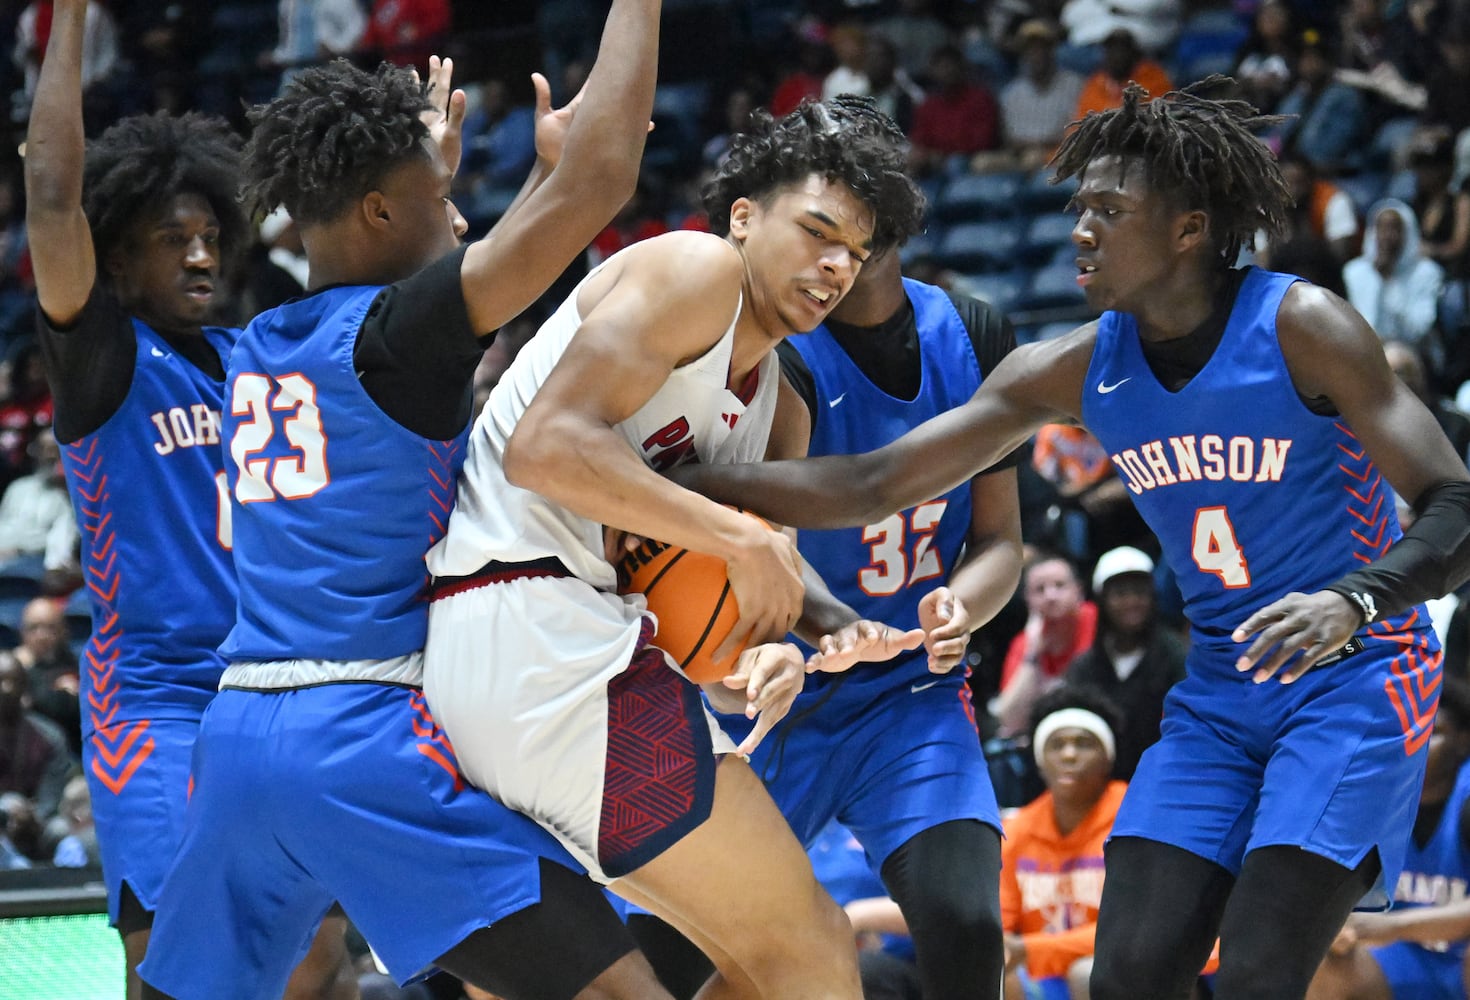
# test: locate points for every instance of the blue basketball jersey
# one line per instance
(148, 489)
(323, 574)
(883, 570)
(1251, 495)
(1439, 872)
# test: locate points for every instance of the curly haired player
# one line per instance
(551, 684)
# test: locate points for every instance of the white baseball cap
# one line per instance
(1115, 562)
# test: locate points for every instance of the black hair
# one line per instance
(134, 168)
(846, 140)
(1041, 555)
(1083, 696)
(1195, 148)
(331, 136)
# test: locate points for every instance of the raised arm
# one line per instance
(526, 251)
(1036, 384)
(60, 239)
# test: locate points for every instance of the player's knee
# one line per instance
(1250, 974)
(954, 919)
(1135, 969)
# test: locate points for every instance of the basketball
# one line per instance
(689, 594)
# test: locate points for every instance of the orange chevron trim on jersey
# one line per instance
(1413, 683)
(442, 455)
(98, 660)
(1365, 502)
(118, 752)
(432, 741)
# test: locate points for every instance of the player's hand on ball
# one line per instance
(1316, 625)
(765, 578)
(946, 625)
(771, 676)
(617, 543)
(861, 641)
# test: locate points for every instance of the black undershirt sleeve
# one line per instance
(1432, 559)
(888, 353)
(416, 352)
(89, 364)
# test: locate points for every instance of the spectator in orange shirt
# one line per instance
(1052, 860)
(1122, 60)
(1060, 626)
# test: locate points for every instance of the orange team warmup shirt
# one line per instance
(1050, 884)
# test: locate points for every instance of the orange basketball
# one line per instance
(690, 595)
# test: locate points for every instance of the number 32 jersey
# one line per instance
(1251, 494)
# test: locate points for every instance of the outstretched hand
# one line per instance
(946, 625)
(861, 641)
(553, 124)
(1316, 625)
(771, 676)
(446, 118)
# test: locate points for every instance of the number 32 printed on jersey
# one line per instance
(902, 550)
(258, 400)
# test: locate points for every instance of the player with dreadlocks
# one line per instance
(549, 681)
(129, 236)
(319, 773)
(1257, 425)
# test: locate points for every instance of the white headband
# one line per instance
(1073, 718)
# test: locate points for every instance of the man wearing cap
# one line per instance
(1134, 660)
(1038, 104)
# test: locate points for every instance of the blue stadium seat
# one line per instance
(973, 197)
(1208, 44)
(926, 244)
(1051, 287)
(1046, 233)
(979, 246)
(1039, 194)
(1001, 289)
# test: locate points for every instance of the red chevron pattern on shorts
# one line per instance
(432, 741)
(653, 758)
(1413, 681)
(118, 751)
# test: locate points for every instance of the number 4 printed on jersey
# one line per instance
(1216, 550)
(258, 400)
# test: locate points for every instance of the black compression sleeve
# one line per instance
(416, 353)
(89, 364)
(1432, 559)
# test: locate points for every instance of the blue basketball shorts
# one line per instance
(886, 766)
(1332, 763)
(1417, 973)
(345, 792)
(138, 775)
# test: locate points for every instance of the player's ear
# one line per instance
(1193, 229)
(740, 218)
(374, 208)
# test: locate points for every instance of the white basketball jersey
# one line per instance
(692, 417)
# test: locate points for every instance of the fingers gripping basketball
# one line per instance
(689, 593)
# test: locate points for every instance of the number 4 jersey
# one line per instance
(1251, 494)
(324, 575)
